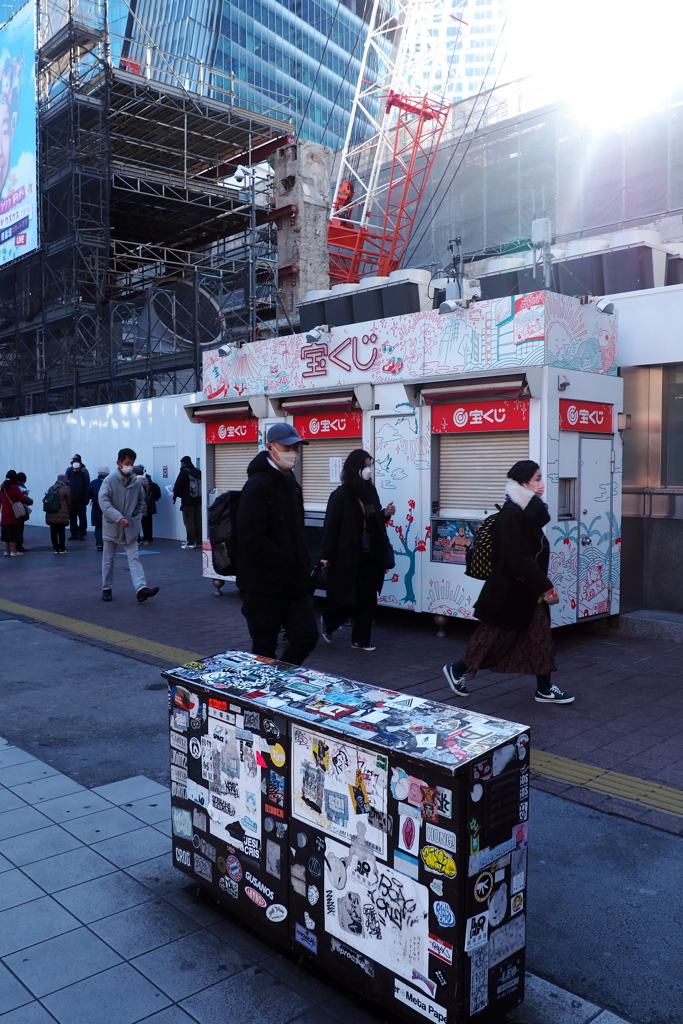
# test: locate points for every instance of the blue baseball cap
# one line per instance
(284, 433)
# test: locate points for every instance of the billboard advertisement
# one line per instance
(18, 192)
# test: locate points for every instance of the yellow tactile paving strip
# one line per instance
(575, 773)
(601, 780)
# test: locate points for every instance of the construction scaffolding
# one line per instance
(158, 224)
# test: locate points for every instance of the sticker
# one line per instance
(308, 921)
(321, 754)
(254, 896)
(483, 887)
(476, 931)
(522, 743)
(337, 808)
(507, 939)
(195, 748)
(476, 793)
(336, 871)
(198, 794)
(426, 984)
(301, 840)
(261, 886)
(399, 784)
(415, 787)
(440, 837)
(436, 885)
(502, 757)
(516, 904)
(420, 1003)
(276, 912)
(234, 868)
(482, 770)
(523, 810)
(427, 740)
(438, 861)
(444, 914)
(182, 823)
(441, 978)
(380, 820)
(313, 894)
(205, 848)
(498, 905)
(406, 865)
(428, 805)
(353, 956)
(229, 886)
(409, 833)
(444, 802)
(252, 847)
(276, 789)
(306, 938)
(180, 720)
(277, 754)
(202, 867)
(179, 742)
(359, 794)
(508, 977)
(440, 948)
(182, 857)
(252, 720)
(479, 980)
(314, 867)
(272, 858)
(297, 877)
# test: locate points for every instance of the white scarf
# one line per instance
(517, 493)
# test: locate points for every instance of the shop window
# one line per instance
(672, 447)
(566, 498)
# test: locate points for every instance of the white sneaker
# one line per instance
(190, 545)
(16, 554)
(184, 545)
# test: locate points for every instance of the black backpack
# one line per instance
(52, 502)
(154, 489)
(223, 532)
(479, 555)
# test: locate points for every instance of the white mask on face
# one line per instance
(366, 473)
(126, 470)
(287, 460)
(75, 465)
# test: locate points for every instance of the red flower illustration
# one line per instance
(421, 546)
(566, 540)
(394, 578)
(411, 503)
(573, 603)
(409, 519)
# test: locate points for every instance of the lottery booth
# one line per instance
(445, 404)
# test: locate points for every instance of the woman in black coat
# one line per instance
(514, 631)
(354, 551)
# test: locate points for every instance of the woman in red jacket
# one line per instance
(9, 523)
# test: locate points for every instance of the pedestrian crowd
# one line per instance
(272, 562)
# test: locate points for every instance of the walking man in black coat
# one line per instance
(273, 564)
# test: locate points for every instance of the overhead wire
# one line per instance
(415, 244)
(319, 68)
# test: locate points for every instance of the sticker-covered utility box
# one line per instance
(383, 834)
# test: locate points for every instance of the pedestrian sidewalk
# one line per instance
(98, 927)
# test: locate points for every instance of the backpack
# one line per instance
(154, 490)
(479, 555)
(223, 532)
(193, 486)
(52, 501)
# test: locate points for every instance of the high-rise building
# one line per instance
(298, 58)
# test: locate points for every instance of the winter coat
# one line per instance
(272, 555)
(181, 487)
(7, 499)
(341, 541)
(60, 518)
(79, 482)
(145, 488)
(121, 497)
(520, 557)
(151, 500)
(93, 491)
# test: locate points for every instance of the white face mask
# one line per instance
(366, 473)
(75, 465)
(286, 460)
(126, 470)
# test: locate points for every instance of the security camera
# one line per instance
(449, 306)
(604, 306)
(239, 176)
(225, 350)
(316, 333)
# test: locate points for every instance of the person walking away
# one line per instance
(57, 508)
(96, 511)
(188, 488)
(153, 496)
(354, 551)
(121, 499)
(513, 607)
(10, 494)
(273, 564)
(79, 482)
(139, 472)
(28, 501)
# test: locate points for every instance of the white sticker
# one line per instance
(476, 933)
(276, 912)
(335, 469)
(420, 1003)
(444, 802)
(440, 948)
(440, 837)
(517, 883)
(179, 742)
(506, 940)
(479, 980)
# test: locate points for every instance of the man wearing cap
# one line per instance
(273, 564)
(79, 482)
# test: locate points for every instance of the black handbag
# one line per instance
(389, 556)
(318, 577)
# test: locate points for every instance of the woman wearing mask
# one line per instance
(514, 631)
(10, 493)
(354, 551)
(58, 518)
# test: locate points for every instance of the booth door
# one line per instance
(595, 527)
(230, 462)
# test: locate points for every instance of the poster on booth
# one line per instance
(18, 193)
(340, 788)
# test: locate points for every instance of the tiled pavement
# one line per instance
(98, 927)
(628, 716)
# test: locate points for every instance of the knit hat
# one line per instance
(103, 471)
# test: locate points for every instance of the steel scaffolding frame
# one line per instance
(150, 249)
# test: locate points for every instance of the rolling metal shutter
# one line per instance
(315, 467)
(473, 468)
(230, 463)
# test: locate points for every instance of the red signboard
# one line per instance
(333, 424)
(231, 430)
(593, 417)
(465, 417)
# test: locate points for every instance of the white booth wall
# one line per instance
(157, 429)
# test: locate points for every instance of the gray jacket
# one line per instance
(121, 498)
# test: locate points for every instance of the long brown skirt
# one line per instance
(530, 651)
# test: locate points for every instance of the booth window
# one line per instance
(230, 465)
(473, 468)
(566, 498)
(672, 448)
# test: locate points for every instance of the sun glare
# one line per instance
(614, 60)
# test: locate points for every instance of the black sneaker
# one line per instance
(456, 683)
(556, 696)
(106, 594)
(363, 647)
(327, 637)
(146, 592)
